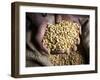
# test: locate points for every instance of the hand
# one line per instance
(39, 22)
(72, 18)
(83, 21)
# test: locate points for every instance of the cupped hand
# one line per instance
(39, 22)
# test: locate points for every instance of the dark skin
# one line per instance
(39, 22)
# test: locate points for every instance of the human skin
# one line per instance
(38, 27)
(41, 21)
(38, 23)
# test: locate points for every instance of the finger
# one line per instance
(43, 48)
(58, 18)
